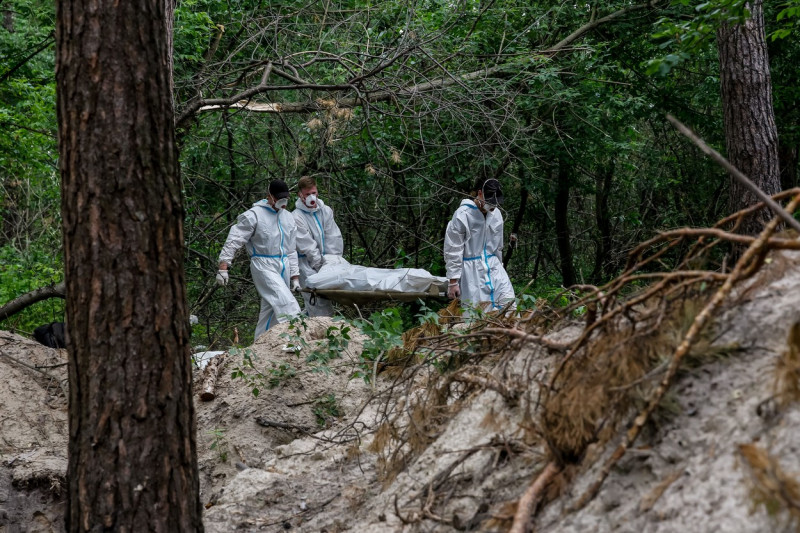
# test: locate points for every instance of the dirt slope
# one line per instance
(292, 458)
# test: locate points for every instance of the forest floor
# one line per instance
(416, 451)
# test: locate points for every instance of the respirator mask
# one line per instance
(281, 204)
(311, 201)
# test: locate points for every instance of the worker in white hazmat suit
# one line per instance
(318, 237)
(267, 231)
(473, 248)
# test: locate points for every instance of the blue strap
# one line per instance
(301, 255)
(477, 257)
(489, 276)
(283, 262)
(282, 255)
(321, 232)
(279, 256)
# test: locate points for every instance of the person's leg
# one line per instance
(277, 301)
(265, 319)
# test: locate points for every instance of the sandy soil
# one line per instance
(299, 455)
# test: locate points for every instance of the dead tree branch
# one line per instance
(735, 172)
(753, 252)
(16, 305)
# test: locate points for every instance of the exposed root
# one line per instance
(532, 496)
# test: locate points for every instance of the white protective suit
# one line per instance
(269, 238)
(473, 247)
(317, 236)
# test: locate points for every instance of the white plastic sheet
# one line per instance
(201, 359)
(339, 274)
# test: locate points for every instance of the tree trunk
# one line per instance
(788, 157)
(132, 455)
(523, 205)
(751, 137)
(603, 221)
(562, 224)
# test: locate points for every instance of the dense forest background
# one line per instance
(396, 107)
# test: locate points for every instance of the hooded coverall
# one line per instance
(269, 238)
(473, 247)
(317, 236)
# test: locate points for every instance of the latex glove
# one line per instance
(222, 277)
(295, 285)
(453, 291)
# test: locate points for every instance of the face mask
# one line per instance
(282, 203)
(311, 201)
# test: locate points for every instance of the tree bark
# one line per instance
(523, 205)
(603, 220)
(788, 157)
(751, 137)
(26, 300)
(562, 224)
(132, 454)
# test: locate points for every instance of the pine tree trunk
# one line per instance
(750, 132)
(562, 224)
(132, 454)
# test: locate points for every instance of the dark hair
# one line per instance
(479, 182)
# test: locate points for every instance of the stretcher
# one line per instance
(353, 297)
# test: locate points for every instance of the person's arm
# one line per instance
(334, 243)
(497, 234)
(291, 242)
(238, 235)
(455, 237)
(306, 244)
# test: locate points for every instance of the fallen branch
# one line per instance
(210, 377)
(19, 303)
(736, 173)
(532, 496)
(751, 254)
(46, 374)
(261, 421)
(521, 335)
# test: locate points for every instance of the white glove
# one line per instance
(295, 285)
(222, 277)
(453, 290)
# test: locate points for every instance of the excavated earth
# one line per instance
(302, 455)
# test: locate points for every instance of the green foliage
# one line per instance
(219, 442)
(687, 31)
(384, 331)
(22, 271)
(254, 378)
(326, 408)
(336, 341)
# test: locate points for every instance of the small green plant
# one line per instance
(384, 330)
(219, 443)
(254, 378)
(279, 374)
(326, 408)
(294, 336)
(337, 339)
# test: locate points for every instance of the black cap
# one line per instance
(278, 189)
(492, 193)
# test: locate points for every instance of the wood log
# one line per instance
(210, 377)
